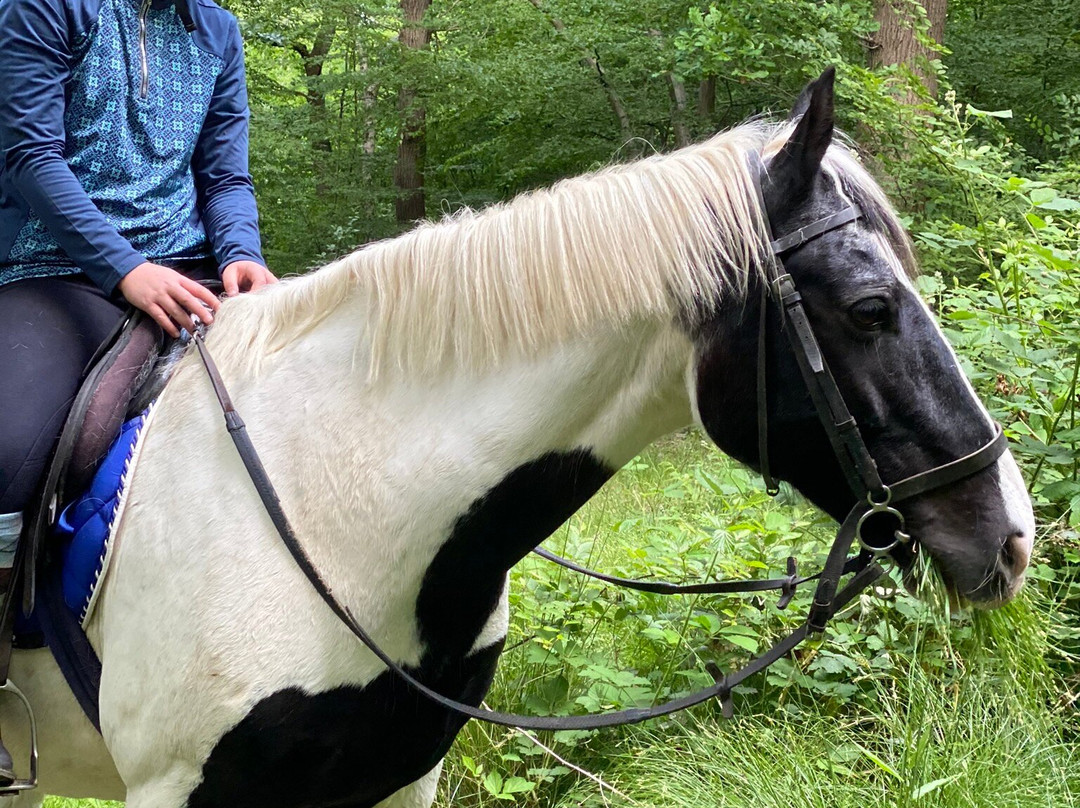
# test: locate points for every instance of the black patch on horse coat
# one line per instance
(350, 747)
(353, 747)
(499, 530)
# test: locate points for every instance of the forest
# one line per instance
(370, 116)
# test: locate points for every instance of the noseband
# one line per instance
(874, 499)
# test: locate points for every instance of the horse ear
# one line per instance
(802, 103)
(798, 160)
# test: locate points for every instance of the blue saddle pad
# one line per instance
(86, 525)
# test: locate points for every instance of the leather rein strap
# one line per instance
(865, 574)
(874, 497)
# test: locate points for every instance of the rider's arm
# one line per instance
(35, 55)
(220, 163)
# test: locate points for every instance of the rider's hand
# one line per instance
(169, 297)
(245, 276)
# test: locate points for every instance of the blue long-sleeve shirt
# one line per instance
(124, 138)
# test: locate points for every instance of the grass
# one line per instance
(903, 704)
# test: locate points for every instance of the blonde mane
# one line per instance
(666, 235)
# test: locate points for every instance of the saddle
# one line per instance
(120, 378)
(119, 371)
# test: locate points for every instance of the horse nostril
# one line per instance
(1014, 553)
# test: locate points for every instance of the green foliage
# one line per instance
(903, 703)
(1009, 54)
(1015, 325)
(772, 49)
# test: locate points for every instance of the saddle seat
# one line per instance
(116, 380)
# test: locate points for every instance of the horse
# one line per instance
(431, 407)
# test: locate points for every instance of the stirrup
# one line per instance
(30, 782)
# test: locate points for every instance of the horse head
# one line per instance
(898, 376)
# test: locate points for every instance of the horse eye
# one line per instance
(872, 313)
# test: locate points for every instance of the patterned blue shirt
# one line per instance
(146, 154)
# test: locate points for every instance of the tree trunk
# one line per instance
(895, 41)
(314, 58)
(680, 128)
(679, 124)
(409, 170)
(706, 99)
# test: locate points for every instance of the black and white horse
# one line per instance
(430, 408)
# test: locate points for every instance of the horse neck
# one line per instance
(378, 478)
(611, 391)
(407, 455)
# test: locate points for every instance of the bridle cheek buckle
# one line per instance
(879, 506)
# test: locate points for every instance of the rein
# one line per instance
(874, 499)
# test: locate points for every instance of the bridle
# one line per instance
(874, 499)
(858, 466)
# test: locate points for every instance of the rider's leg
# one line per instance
(49, 330)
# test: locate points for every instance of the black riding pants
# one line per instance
(50, 329)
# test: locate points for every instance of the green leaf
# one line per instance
(1001, 113)
(1036, 222)
(493, 783)
(930, 787)
(517, 785)
(1042, 196)
(738, 635)
(1068, 435)
(881, 764)
(1061, 203)
(1074, 514)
